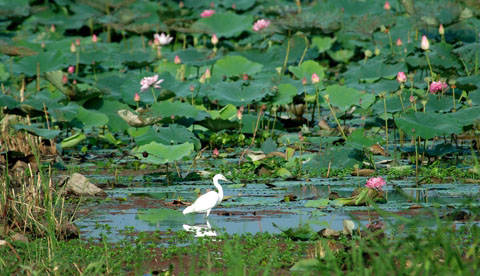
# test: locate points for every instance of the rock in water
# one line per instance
(78, 184)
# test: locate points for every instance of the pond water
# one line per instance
(259, 208)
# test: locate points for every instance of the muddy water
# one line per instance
(257, 207)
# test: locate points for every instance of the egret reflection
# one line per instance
(201, 230)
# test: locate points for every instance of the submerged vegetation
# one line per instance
(323, 108)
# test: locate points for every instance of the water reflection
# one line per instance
(201, 230)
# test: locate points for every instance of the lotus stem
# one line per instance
(453, 98)
(429, 65)
(335, 116)
(286, 57)
(154, 96)
(307, 45)
(416, 157)
(386, 122)
(38, 77)
(78, 62)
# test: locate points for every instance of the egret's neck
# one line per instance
(220, 190)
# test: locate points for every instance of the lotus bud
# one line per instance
(215, 152)
(177, 60)
(43, 45)
(304, 81)
(71, 69)
(73, 49)
(425, 44)
(300, 136)
(94, 38)
(207, 74)
(136, 97)
(245, 77)
(234, 6)
(214, 39)
(387, 6)
(368, 53)
(77, 42)
(411, 99)
(401, 77)
(399, 42)
(315, 78)
(239, 114)
(192, 88)
(212, 5)
(377, 51)
(202, 78)
(52, 28)
(181, 4)
(64, 79)
(74, 81)
(441, 30)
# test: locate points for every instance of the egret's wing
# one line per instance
(205, 202)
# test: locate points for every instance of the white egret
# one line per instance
(206, 202)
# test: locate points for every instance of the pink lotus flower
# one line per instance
(387, 6)
(399, 42)
(64, 79)
(215, 152)
(261, 24)
(401, 77)
(94, 38)
(137, 97)
(438, 86)
(177, 60)
(375, 183)
(425, 44)
(207, 13)
(214, 39)
(162, 39)
(148, 82)
(315, 78)
(71, 69)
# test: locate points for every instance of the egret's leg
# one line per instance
(208, 213)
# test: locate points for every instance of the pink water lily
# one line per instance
(375, 183)
(162, 39)
(438, 86)
(207, 13)
(148, 82)
(261, 24)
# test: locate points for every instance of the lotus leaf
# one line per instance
(345, 97)
(156, 153)
(235, 66)
(428, 125)
(226, 24)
